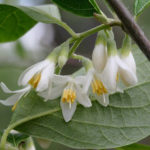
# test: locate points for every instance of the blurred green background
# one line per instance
(39, 41)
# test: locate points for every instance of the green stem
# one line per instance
(4, 138)
(78, 57)
(75, 45)
(98, 28)
(67, 28)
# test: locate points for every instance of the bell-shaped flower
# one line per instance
(38, 76)
(93, 81)
(99, 56)
(70, 90)
(114, 67)
(128, 75)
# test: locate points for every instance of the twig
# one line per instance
(131, 26)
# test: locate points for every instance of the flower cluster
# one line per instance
(103, 73)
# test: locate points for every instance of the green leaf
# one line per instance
(95, 5)
(135, 147)
(78, 7)
(43, 13)
(15, 138)
(125, 121)
(106, 125)
(13, 23)
(140, 6)
(17, 20)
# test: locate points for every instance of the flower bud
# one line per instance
(99, 56)
(63, 56)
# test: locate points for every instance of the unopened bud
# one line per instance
(63, 55)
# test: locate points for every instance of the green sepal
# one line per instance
(126, 46)
(101, 38)
(111, 47)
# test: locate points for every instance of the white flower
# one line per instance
(114, 67)
(70, 90)
(99, 57)
(38, 76)
(128, 76)
(100, 91)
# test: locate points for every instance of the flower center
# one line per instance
(69, 95)
(34, 81)
(98, 87)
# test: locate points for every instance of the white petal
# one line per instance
(60, 79)
(99, 57)
(67, 111)
(6, 90)
(80, 79)
(29, 72)
(46, 75)
(103, 99)
(127, 74)
(129, 60)
(109, 74)
(88, 81)
(83, 98)
(12, 99)
(128, 77)
(53, 93)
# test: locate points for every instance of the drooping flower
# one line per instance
(114, 67)
(70, 90)
(38, 76)
(128, 77)
(93, 81)
(99, 56)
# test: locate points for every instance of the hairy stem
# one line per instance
(131, 26)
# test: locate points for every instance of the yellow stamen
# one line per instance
(117, 77)
(98, 87)
(69, 95)
(34, 81)
(14, 107)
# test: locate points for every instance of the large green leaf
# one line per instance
(140, 6)
(125, 121)
(78, 7)
(135, 147)
(17, 20)
(13, 23)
